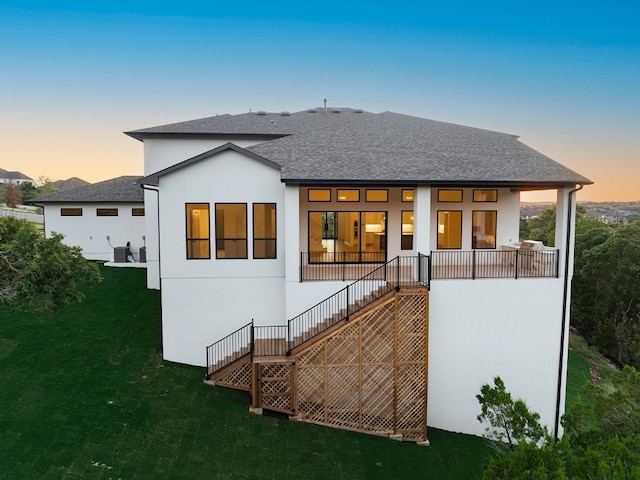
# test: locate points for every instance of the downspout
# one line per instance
(564, 309)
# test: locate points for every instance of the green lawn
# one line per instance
(86, 394)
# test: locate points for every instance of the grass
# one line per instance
(85, 394)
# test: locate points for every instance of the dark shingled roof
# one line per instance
(362, 147)
(260, 124)
(13, 175)
(117, 190)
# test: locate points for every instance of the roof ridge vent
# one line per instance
(312, 110)
(336, 110)
(357, 110)
(261, 112)
(285, 114)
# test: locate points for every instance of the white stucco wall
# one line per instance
(480, 329)
(90, 232)
(161, 153)
(203, 300)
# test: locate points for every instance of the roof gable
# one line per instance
(154, 178)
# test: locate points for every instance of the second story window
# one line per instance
(198, 237)
(264, 230)
(231, 230)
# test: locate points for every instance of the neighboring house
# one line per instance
(262, 217)
(14, 178)
(98, 217)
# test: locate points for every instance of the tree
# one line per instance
(42, 272)
(601, 439)
(606, 291)
(509, 420)
(12, 196)
(29, 191)
(543, 227)
(45, 185)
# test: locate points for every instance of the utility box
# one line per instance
(143, 255)
(120, 255)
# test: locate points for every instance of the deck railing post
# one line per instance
(473, 264)
(557, 263)
(301, 265)
(517, 260)
(251, 340)
(347, 306)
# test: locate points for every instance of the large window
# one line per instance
(351, 237)
(198, 239)
(484, 229)
(449, 229)
(264, 230)
(406, 241)
(231, 230)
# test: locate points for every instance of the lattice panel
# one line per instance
(343, 396)
(351, 378)
(412, 310)
(311, 393)
(377, 398)
(236, 376)
(411, 408)
(378, 335)
(275, 387)
(313, 356)
(344, 347)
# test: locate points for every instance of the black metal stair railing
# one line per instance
(229, 349)
(279, 340)
(341, 305)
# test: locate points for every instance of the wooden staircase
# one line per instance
(365, 372)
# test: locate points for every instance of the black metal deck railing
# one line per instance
(376, 281)
(457, 264)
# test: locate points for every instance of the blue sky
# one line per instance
(565, 76)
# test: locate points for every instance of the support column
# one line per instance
(422, 219)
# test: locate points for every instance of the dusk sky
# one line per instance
(563, 75)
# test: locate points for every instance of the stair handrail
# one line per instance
(230, 348)
(340, 305)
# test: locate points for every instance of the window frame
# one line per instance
(137, 212)
(71, 211)
(403, 235)
(318, 190)
(380, 190)
(474, 240)
(438, 227)
(442, 190)
(189, 239)
(413, 195)
(236, 239)
(485, 191)
(351, 190)
(265, 239)
(107, 212)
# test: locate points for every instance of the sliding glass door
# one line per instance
(347, 237)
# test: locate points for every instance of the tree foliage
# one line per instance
(29, 191)
(606, 291)
(508, 420)
(42, 272)
(12, 196)
(601, 439)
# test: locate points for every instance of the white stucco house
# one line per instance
(272, 219)
(14, 178)
(98, 217)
